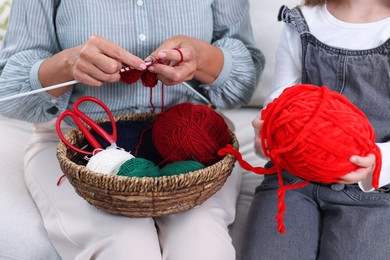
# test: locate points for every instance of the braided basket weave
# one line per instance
(146, 196)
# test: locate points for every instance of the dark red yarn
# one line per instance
(130, 76)
(312, 132)
(190, 132)
(148, 79)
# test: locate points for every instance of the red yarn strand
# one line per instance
(151, 101)
(162, 97)
(141, 140)
(244, 164)
(281, 203)
(60, 179)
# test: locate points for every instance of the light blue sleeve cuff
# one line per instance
(49, 101)
(36, 84)
(225, 72)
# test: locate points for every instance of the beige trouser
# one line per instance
(78, 230)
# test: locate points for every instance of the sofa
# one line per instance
(22, 234)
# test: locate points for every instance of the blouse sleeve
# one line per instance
(29, 40)
(243, 62)
(288, 68)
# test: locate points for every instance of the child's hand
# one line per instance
(367, 166)
(257, 123)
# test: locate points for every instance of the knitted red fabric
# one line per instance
(149, 79)
(312, 132)
(130, 76)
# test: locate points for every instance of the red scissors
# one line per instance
(81, 120)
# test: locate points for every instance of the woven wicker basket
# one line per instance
(141, 197)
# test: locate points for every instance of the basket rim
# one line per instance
(220, 169)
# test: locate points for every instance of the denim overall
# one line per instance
(363, 76)
(328, 221)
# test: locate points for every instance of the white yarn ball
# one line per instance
(108, 161)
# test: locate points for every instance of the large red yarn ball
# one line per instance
(312, 132)
(190, 132)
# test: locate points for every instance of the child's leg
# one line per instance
(302, 222)
(202, 232)
(77, 229)
(356, 224)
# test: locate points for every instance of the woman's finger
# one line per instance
(114, 52)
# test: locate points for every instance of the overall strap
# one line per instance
(294, 18)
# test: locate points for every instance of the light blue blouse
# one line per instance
(40, 28)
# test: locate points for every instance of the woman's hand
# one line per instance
(99, 60)
(196, 59)
(257, 123)
(366, 168)
(92, 63)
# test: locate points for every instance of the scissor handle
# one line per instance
(79, 117)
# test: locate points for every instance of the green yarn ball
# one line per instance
(181, 167)
(139, 167)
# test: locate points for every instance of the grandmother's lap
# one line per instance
(22, 234)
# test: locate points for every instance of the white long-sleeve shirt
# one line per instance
(331, 31)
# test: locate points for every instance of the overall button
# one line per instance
(140, 2)
(142, 37)
(337, 186)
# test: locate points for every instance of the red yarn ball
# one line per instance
(190, 132)
(312, 132)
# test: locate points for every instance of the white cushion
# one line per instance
(245, 134)
(22, 235)
(266, 30)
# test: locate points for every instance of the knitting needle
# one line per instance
(52, 87)
(197, 93)
(208, 102)
(75, 82)
(39, 90)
